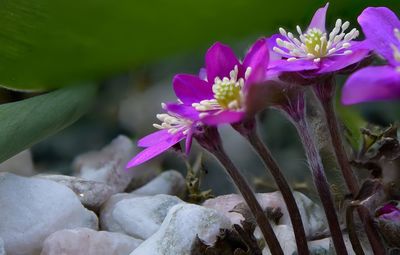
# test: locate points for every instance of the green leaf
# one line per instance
(353, 121)
(47, 42)
(29, 121)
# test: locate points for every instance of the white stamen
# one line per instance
(172, 122)
(299, 30)
(315, 44)
(278, 50)
(282, 31)
(227, 93)
(247, 73)
(345, 26)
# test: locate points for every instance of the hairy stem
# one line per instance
(325, 91)
(210, 141)
(322, 185)
(294, 109)
(248, 130)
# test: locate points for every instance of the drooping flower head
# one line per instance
(390, 211)
(178, 122)
(317, 50)
(388, 222)
(219, 92)
(382, 30)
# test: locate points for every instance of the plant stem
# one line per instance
(294, 108)
(355, 242)
(210, 140)
(325, 91)
(248, 130)
(322, 186)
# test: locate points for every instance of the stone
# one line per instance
(32, 209)
(286, 239)
(20, 164)
(325, 246)
(89, 242)
(108, 164)
(92, 194)
(2, 250)
(137, 216)
(180, 228)
(169, 182)
(311, 214)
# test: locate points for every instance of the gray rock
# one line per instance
(108, 165)
(311, 214)
(89, 242)
(20, 164)
(32, 209)
(286, 239)
(180, 228)
(137, 216)
(169, 182)
(2, 250)
(325, 246)
(92, 194)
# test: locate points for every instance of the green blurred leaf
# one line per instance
(47, 42)
(353, 121)
(29, 121)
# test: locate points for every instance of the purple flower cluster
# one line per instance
(228, 90)
(382, 30)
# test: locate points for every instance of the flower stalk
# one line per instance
(211, 141)
(325, 90)
(248, 130)
(294, 109)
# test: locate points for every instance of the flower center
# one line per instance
(316, 44)
(396, 51)
(227, 93)
(173, 122)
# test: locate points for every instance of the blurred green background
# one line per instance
(125, 53)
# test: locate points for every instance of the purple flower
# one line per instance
(382, 30)
(316, 50)
(219, 92)
(179, 122)
(390, 211)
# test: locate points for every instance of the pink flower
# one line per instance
(317, 51)
(219, 92)
(179, 122)
(382, 29)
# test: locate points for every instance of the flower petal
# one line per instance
(223, 117)
(190, 88)
(257, 59)
(155, 150)
(378, 24)
(318, 20)
(337, 63)
(154, 138)
(292, 66)
(271, 43)
(372, 84)
(203, 74)
(185, 111)
(189, 140)
(220, 60)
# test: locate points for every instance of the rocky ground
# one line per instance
(105, 209)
